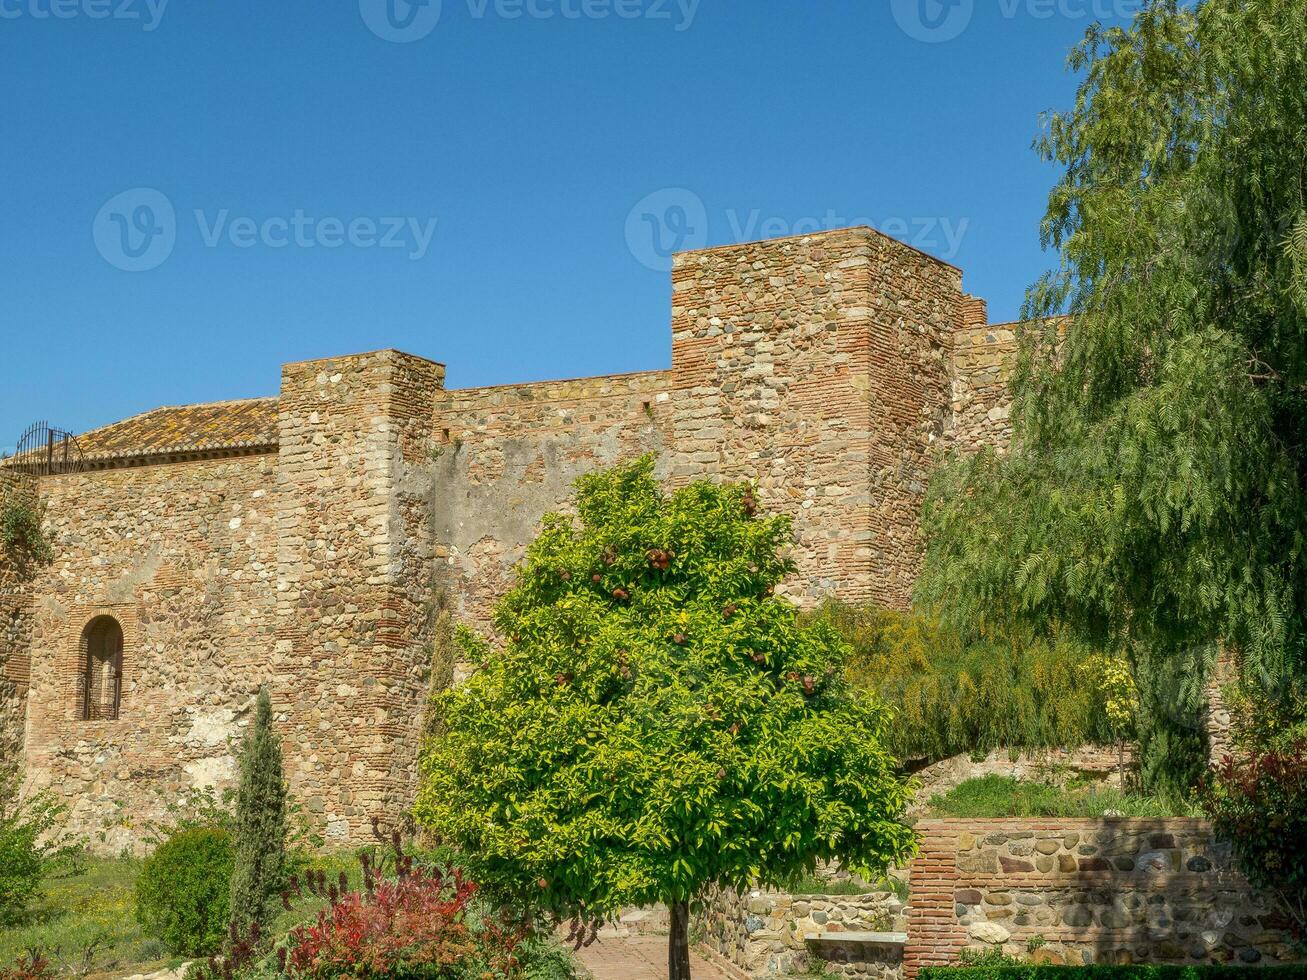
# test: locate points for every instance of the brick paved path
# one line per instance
(639, 958)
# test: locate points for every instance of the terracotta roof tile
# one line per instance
(247, 424)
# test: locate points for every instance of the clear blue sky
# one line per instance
(527, 139)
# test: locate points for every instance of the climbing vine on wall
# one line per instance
(21, 539)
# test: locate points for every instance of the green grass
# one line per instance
(810, 884)
(86, 924)
(1001, 796)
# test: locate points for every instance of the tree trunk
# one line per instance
(678, 942)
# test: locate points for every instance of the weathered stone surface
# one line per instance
(989, 932)
(1089, 909)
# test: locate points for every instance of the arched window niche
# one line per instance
(101, 678)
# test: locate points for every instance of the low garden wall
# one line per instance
(1086, 891)
(1070, 891)
(1092, 761)
(777, 934)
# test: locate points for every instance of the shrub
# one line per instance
(182, 894)
(954, 695)
(413, 918)
(1259, 804)
(418, 925)
(260, 825)
(30, 966)
(21, 537)
(1266, 719)
(32, 845)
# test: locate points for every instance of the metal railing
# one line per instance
(101, 700)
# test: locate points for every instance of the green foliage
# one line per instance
(442, 655)
(809, 883)
(21, 537)
(1264, 721)
(658, 720)
(1154, 499)
(183, 892)
(1104, 972)
(1001, 796)
(260, 826)
(989, 956)
(84, 923)
(33, 845)
(1259, 804)
(952, 695)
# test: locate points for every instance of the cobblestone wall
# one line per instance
(184, 558)
(15, 631)
(1086, 891)
(769, 933)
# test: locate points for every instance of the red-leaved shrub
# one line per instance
(30, 966)
(417, 925)
(1259, 804)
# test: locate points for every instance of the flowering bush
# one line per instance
(1259, 804)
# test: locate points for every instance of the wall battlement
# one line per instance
(297, 541)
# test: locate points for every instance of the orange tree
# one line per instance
(658, 720)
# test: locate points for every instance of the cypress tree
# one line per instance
(260, 831)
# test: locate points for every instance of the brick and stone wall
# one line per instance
(183, 556)
(983, 355)
(1086, 891)
(503, 457)
(768, 933)
(305, 550)
(15, 629)
(354, 576)
(818, 366)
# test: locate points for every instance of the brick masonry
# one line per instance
(298, 541)
(1086, 891)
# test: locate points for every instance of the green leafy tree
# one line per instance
(259, 846)
(658, 720)
(1154, 498)
(953, 694)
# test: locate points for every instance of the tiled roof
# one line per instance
(250, 424)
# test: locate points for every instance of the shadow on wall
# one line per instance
(1087, 891)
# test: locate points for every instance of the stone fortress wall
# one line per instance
(299, 541)
(15, 631)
